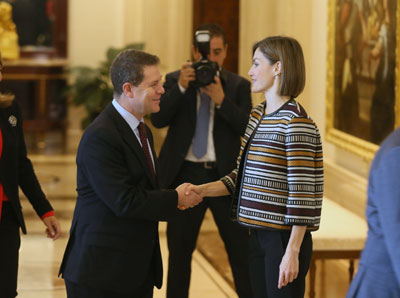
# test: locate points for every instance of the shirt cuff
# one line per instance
(183, 90)
(47, 214)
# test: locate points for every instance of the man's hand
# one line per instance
(215, 91)
(187, 74)
(53, 227)
(195, 188)
(187, 199)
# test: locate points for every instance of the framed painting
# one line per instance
(362, 102)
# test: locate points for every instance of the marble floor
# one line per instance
(40, 260)
(40, 257)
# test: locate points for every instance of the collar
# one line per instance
(223, 74)
(132, 121)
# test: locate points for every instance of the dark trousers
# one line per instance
(75, 290)
(9, 249)
(267, 248)
(182, 235)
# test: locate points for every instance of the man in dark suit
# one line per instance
(114, 250)
(202, 145)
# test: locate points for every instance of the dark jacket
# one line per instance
(16, 168)
(179, 111)
(114, 235)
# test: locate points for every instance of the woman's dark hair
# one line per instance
(288, 51)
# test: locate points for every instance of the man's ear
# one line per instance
(196, 54)
(128, 89)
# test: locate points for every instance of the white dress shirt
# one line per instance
(210, 154)
(133, 123)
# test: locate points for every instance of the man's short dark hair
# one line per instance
(128, 66)
(215, 31)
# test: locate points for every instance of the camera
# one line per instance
(205, 69)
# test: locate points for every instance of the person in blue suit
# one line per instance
(379, 268)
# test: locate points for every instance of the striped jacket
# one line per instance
(278, 181)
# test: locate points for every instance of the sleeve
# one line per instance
(304, 173)
(27, 178)
(236, 112)
(387, 195)
(102, 166)
(47, 214)
(170, 103)
(230, 180)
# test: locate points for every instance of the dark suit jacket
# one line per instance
(16, 168)
(179, 111)
(114, 235)
(378, 274)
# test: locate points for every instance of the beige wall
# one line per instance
(166, 28)
(95, 25)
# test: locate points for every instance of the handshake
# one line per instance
(189, 195)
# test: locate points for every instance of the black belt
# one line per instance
(209, 165)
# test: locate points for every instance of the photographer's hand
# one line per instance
(215, 91)
(187, 74)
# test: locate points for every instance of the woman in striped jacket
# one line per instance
(277, 186)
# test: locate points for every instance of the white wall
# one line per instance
(164, 27)
(95, 25)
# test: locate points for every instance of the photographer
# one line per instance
(206, 118)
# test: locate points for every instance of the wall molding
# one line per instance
(345, 188)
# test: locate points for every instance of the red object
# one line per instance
(47, 214)
(49, 8)
(145, 147)
(3, 196)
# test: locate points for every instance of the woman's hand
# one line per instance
(53, 230)
(289, 268)
(212, 189)
(199, 189)
(186, 197)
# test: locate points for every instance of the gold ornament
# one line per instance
(8, 35)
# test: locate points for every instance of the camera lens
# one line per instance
(205, 74)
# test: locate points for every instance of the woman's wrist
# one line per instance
(204, 190)
(293, 250)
